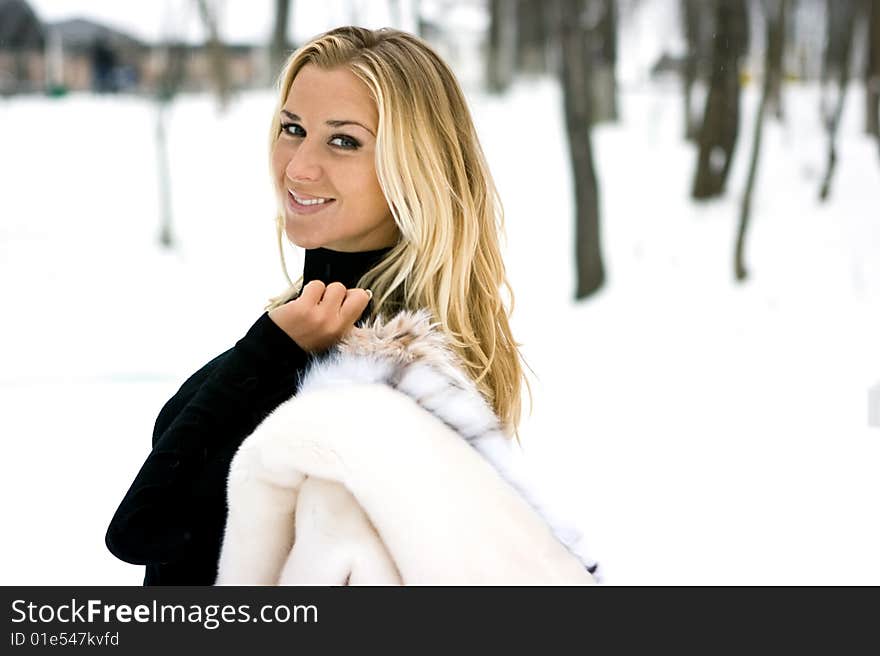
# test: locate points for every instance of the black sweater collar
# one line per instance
(335, 266)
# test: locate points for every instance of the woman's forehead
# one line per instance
(318, 92)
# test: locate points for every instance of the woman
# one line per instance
(380, 177)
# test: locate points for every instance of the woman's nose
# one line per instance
(304, 164)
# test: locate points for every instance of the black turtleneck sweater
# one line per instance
(173, 515)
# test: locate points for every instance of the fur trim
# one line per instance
(410, 354)
(353, 517)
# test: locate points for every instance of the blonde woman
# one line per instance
(379, 176)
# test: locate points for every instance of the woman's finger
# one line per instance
(312, 293)
(354, 304)
(334, 294)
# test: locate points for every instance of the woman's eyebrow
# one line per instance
(335, 123)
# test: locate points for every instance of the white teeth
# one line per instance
(314, 201)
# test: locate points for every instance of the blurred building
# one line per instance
(83, 55)
(86, 55)
(22, 43)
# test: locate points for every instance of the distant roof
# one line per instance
(19, 26)
(83, 33)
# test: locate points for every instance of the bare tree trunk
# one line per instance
(501, 57)
(841, 19)
(576, 67)
(690, 20)
(170, 81)
(279, 47)
(720, 128)
(697, 24)
(166, 235)
(417, 15)
(603, 39)
(216, 52)
(773, 66)
(774, 13)
(531, 36)
(872, 72)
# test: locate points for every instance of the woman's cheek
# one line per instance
(281, 154)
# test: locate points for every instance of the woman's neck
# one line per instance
(336, 266)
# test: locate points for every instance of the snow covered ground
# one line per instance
(703, 432)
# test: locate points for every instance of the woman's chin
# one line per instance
(301, 241)
(306, 245)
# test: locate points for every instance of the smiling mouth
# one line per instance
(307, 205)
(314, 200)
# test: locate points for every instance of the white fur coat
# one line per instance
(388, 467)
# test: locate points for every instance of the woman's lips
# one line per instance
(306, 209)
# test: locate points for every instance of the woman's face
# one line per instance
(326, 150)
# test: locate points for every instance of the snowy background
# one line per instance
(702, 432)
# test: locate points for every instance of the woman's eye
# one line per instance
(343, 141)
(347, 142)
(289, 128)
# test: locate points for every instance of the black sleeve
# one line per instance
(175, 405)
(175, 509)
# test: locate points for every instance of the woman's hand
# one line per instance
(322, 315)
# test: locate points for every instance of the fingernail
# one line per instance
(370, 293)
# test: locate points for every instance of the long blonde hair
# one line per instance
(433, 173)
